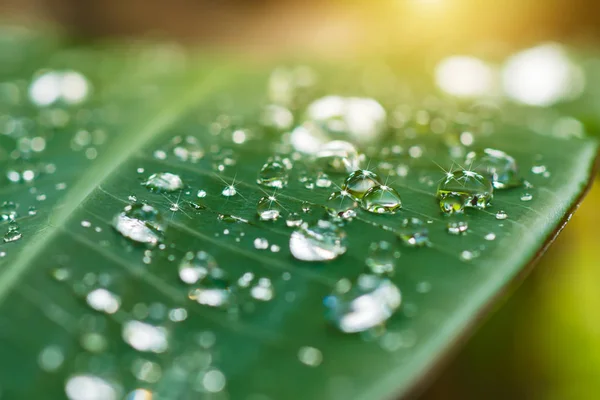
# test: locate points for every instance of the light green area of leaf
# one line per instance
(142, 98)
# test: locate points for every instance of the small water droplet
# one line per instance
(201, 193)
(464, 189)
(268, 208)
(229, 191)
(341, 205)
(382, 258)
(32, 211)
(196, 266)
(381, 200)
(293, 219)
(490, 236)
(501, 215)
(104, 301)
(261, 243)
(141, 223)
(538, 169)
(323, 180)
(367, 304)
(306, 207)
(12, 234)
(145, 337)
(359, 182)
(457, 227)
(51, 358)
(273, 174)
(338, 156)
(263, 290)
(163, 182)
(8, 211)
(187, 148)
(413, 232)
(310, 356)
(526, 197)
(496, 165)
(322, 241)
(468, 255)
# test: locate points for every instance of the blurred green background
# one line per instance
(543, 340)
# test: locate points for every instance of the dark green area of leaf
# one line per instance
(143, 97)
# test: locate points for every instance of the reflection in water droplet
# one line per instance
(496, 165)
(368, 303)
(196, 266)
(341, 205)
(501, 215)
(141, 223)
(468, 188)
(381, 200)
(338, 156)
(382, 258)
(413, 232)
(145, 337)
(268, 208)
(89, 387)
(359, 182)
(104, 301)
(310, 356)
(164, 182)
(322, 241)
(273, 174)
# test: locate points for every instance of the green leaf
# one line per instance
(144, 96)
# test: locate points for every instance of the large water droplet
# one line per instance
(464, 189)
(338, 156)
(268, 208)
(141, 223)
(413, 232)
(145, 337)
(360, 181)
(381, 200)
(322, 241)
(273, 174)
(496, 165)
(382, 258)
(341, 205)
(196, 266)
(368, 303)
(163, 182)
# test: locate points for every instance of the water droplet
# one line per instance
(12, 234)
(496, 165)
(51, 358)
(323, 180)
(338, 156)
(263, 290)
(490, 236)
(214, 290)
(214, 381)
(139, 394)
(145, 370)
(145, 337)
(359, 182)
(261, 243)
(341, 205)
(501, 215)
(229, 191)
(187, 148)
(306, 207)
(293, 219)
(69, 86)
(104, 301)
(413, 232)
(164, 182)
(467, 255)
(277, 117)
(538, 169)
(8, 211)
(464, 189)
(381, 200)
(32, 211)
(273, 174)
(268, 208)
(322, 241)
(526, 197)
(141, 223)
(310, 356)
(382, 258)
(201, 193)
(368, 303)
(196, 266)
(89, 387)
(457, 227)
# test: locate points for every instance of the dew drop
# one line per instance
(496, 165)
(381, 200)
(323, 180)
(89, 387)
(293, 219)
(261, 243)
(526, 197)
(273, 174)
(322, 241)
(163, 182)
(368, 303)
(214, 290)
(187, 148)
(268, 208)
(490, 236)
(201, 194)
(338, 156)
(457, 227)
(145, 337)
(12, 234)
(382, 258)
(359, 182)
(310, 356)
(104, 301)
(196, 266)
(263, 290)
(501, 215)
(341, 205)
(141, 223)
(229, 191)
(464, 189)
(413, 232)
